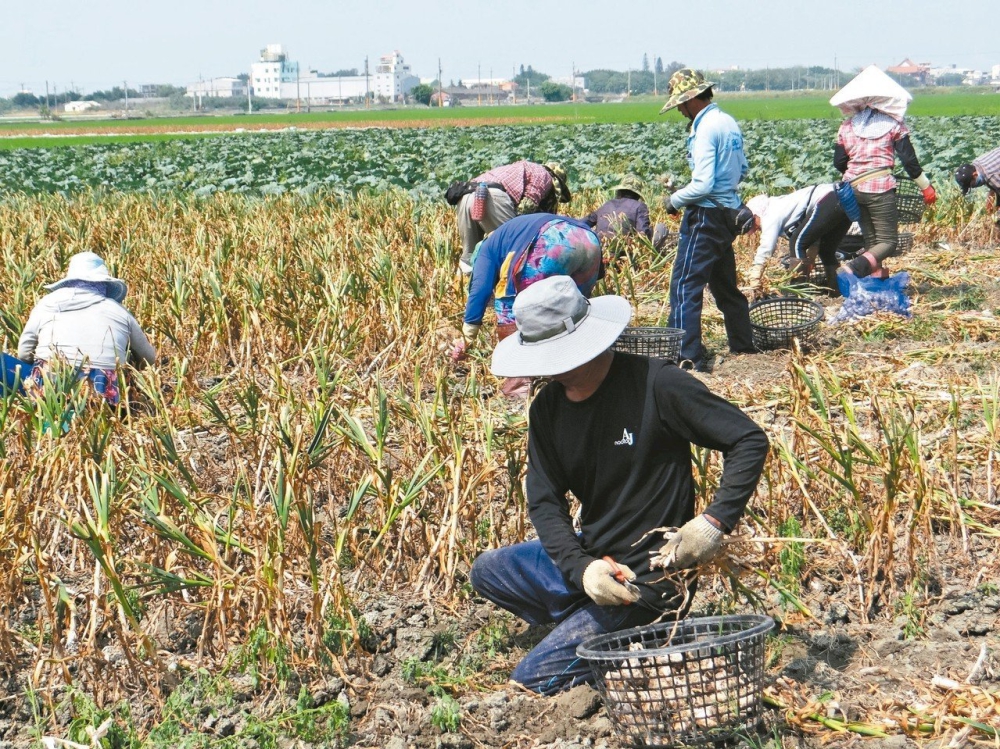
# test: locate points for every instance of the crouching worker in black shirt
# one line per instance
(616, 430)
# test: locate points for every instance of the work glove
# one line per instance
(926, 188)
(695, 543)
(527, 205)
(755, 278)
(660, 236)
(609, 583)
(669, 206)
(459, 351)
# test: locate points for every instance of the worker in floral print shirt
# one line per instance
(514, 190)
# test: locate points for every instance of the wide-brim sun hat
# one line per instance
(88, 266)
(633, 184)
(684, 85)
(558, 329)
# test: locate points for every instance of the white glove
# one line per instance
(696, 542)
(755, 276)
(470, 332)
(600, 584)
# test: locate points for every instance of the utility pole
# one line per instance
(249, 90)
(491, 88)
(367, 93)
(513, 84)
(628, 84)
(836, 71)
(46, 94)
(308, 98)
(655, 92)
(572, 80)
(479, 84)
(298, 91)
(440, 90)
(126, 98)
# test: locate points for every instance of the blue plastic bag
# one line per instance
(866, 296)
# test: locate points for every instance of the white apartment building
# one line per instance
(272, 70)
(275, 77)
(224, 88)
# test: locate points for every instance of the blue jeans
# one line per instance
(524, 580)
(705, 258)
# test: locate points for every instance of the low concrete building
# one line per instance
(222, 88)
(80, 106)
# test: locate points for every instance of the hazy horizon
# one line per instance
(100, 44)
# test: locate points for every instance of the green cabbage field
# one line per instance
(782, 154)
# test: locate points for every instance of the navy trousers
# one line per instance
(524, 580)
(705, 258)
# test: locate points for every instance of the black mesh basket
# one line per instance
(777, 323)
(658, 343)
(904, 243)
(850, 246)
(687, 683)
(909, 200)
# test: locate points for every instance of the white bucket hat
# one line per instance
(87, 266)
(558, 329)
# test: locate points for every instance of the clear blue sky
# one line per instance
(99, 43)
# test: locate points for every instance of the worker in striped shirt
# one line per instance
(984, 170)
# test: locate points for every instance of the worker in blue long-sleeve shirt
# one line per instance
(705, 251)
(521, 252)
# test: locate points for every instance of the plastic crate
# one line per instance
(686, 683)
(777, 323)
(654, 342)
(909, 200)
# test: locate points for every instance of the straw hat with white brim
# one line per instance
(558, 329)
(87, 266)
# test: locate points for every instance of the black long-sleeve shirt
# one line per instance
(625, 453)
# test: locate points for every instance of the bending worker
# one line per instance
(615, 430)
(83, 324)
(515, 189)
(983, 171)
(523, 251)
(812, 220)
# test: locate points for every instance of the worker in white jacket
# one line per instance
(83, 323)
(814, 223)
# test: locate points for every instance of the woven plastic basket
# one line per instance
(658, 343)
(904, 243)
(777, 323)
(909, 200)
(687, 683)
(850, 246)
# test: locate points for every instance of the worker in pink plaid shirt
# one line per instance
(867, 146)
(514, 190)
